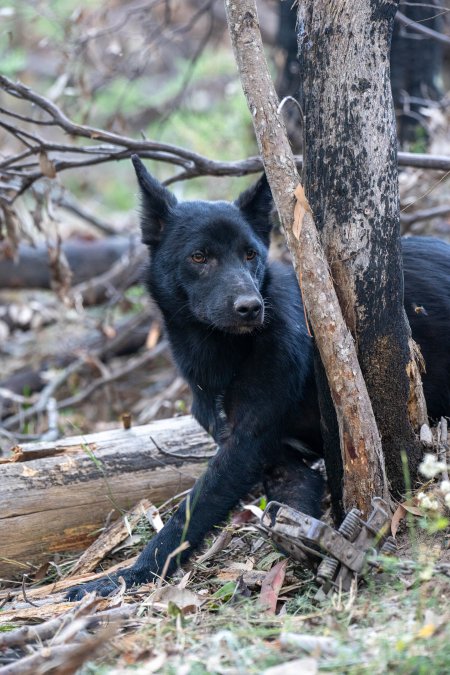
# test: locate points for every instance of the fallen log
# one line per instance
(86, 258)
(55, 496)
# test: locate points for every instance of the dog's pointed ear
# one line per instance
(157, 202)
(256, 204)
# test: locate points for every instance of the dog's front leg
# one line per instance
(231, 474)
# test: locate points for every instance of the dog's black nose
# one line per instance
(248, 307)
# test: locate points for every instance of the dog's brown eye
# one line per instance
(251, 254)
(198, 257)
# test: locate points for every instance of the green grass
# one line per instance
(387, 627)
(420, 143)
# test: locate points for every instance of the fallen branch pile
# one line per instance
(62, 643)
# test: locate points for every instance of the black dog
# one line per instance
(237, 332)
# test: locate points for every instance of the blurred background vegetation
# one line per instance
(164, 70)
(159, 69)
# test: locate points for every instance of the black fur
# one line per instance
(237, 331)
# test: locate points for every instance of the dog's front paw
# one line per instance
(102, 587)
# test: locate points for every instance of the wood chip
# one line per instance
(271, 586)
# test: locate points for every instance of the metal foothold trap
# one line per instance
(338, 556)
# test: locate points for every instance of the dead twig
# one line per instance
(24, 593)
(40, 633)
(131, 366)
(421, 29)
(52, 432)
(46, 630)
(67, 659)
(123, 274)
(149, 413)
(178, 98)
(48, 392)
(40, 406)
(179, 549)
(70, 204)
(408, 219)
(109, 538)
(443, 444)
(173, 454)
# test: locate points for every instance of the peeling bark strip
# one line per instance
(55, 496)
(350, 173)
(360, 442)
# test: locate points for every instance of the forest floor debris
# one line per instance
(243, 609)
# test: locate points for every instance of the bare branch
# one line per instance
(69, 203)
(131, 366)
(423, 30)
(19, 171)
(407, 219)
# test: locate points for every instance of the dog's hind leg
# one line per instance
(294, 483)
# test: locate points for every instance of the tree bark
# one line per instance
(55, 496)
(360, 442)
(350, 174)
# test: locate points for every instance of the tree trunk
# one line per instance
(55, 496)
(360, 441)
(350, 174)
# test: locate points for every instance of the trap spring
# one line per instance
(337, 555)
